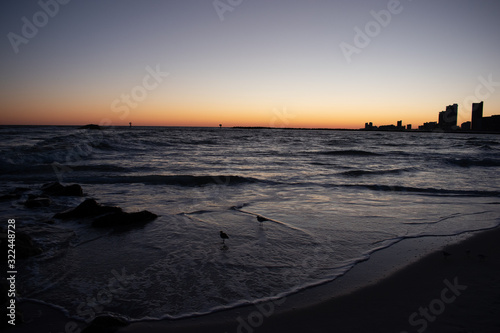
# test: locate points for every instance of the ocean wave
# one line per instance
(349, 152)
(471, 162)
(98, 167)
(481, 142)
(97, 140)
(201, 142)
(360, 173)
(426, 191)
(10, 169)
(178, 180)
(338, 143)
(324, 164)
(180, 142)
(61, 149)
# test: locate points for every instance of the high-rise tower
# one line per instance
(448, 118)
(477, 116)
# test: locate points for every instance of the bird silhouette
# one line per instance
(261, 218)
(224, 236)
(446, 254)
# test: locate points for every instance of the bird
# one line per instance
(261, 218)
(224, 236)
(446, 254)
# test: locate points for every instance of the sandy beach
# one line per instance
(457, 292)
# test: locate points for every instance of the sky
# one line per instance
(277, 63)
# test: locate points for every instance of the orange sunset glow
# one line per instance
(275, 74)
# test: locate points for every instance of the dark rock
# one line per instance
(106, 216)
(25, 247)
(120, 219)
(88, 208)
(73, 190)
(57, 189)
(52, 188)
(35, 201)
(91, 127)
(105, 324)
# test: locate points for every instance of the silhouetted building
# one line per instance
(430, 126)
(448, 118)
(477, 116)
(387, 128)
(491, 124)
(392, 127)
(448, 122)
(369, 126)
(466, 126)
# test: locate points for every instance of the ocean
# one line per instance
(329, 200)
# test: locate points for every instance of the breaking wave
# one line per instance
(360, 173)
(473, 162)
(179, 180)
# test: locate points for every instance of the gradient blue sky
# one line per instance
(268, 63)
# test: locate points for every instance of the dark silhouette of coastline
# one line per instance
(295, 128)
(363, 130)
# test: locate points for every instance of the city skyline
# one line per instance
(275, 64)
(448, 121)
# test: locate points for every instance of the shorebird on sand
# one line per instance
(224, 236)
(261, 218)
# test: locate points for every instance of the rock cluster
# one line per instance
(106, 216)
(101, 216)
(88, 208)
(60, 190)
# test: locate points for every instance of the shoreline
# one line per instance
(365, 291)
(389, 301)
